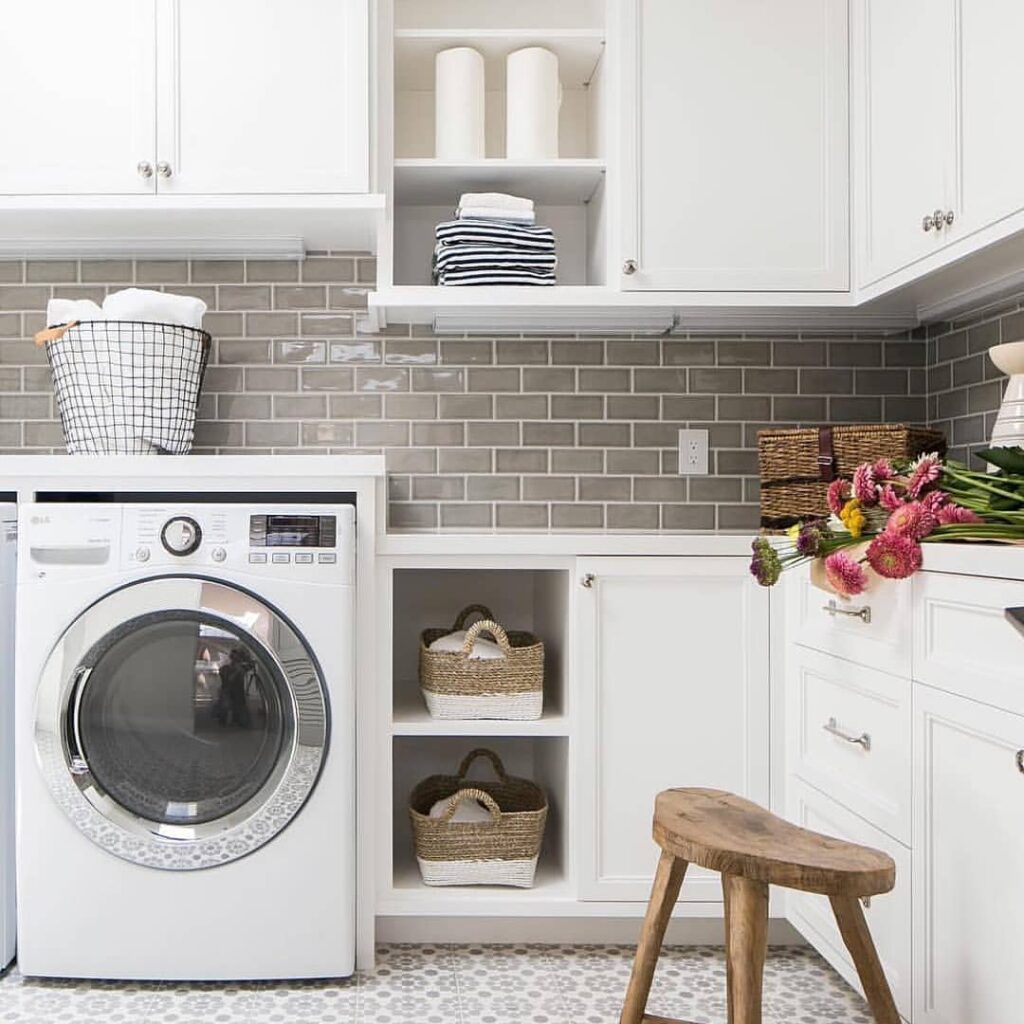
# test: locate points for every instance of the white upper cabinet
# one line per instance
(735, 133)
(673, 662)
(78, 114)
(262, 97)
(992, 85)
(904, 128)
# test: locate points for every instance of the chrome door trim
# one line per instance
(155, 844)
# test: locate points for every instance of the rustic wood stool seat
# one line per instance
(752, 849)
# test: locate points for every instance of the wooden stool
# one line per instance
(753, 849)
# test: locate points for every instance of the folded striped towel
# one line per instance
(498, 233)
(496, 276)
(446, 256)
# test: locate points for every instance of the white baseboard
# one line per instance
(681, 931)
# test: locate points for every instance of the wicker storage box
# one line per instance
(456, 686)
(798, 465)
(501, 851)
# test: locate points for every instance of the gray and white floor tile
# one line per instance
(441, 984)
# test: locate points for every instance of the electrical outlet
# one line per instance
(693, 453)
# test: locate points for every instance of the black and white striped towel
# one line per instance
(496, 276)
(497, 233)
(459, 256)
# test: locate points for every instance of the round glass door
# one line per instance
(189, 716)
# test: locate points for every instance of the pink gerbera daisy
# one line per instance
(934, 500)
(865, 490)
(889, 499)
(914, 520)
(845, 575)
(837, 494)
(923, 472)
(883, 470)
(894, 555)
(949, 515)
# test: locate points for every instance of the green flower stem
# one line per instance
(984, 486)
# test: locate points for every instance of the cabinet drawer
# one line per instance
(849, 736)
(888, 915)
(962, 640)
(871, 629)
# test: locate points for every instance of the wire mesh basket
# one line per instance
(127, 387)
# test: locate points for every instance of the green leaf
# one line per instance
(1011, 460)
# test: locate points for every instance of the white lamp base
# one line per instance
(1008, 431)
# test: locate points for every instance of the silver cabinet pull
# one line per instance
(1020, 761)
(145, 169)
(163, 168)
(629, 267)
(948, 217)
(587, 580)
(863, 613)
(928, 223)
(863, 740)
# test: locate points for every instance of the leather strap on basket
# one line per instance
(476, 794)
(53, 333)
(486, 626)
(467, 763)
(460, 622)
(826, 455)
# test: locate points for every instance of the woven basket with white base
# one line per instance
(500, 851)
(458, 686)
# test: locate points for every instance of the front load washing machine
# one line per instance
(184, 740)
(8, 551)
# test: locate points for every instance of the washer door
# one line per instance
(181, 723)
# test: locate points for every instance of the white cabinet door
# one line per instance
(736, 141)
(968, 852)
(905, 128)
(78, 114)
(673, 656)
(991, 87)
(263, 97)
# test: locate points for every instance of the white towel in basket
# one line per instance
(468, 810)
(483, 650)
(154, 307)
(64, 311)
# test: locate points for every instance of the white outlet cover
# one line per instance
(693, 453)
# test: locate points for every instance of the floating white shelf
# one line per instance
(563, 182)
(411, 718)
(579, 52)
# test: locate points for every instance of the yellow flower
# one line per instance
(793, 532)
(853, 519)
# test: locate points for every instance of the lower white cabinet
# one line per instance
(888, 916)
(968, 855)
(672, 658)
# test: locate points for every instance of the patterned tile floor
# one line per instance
(453, 985)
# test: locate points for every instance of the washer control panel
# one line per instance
(293, 540)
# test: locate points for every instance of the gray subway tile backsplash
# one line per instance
(506, 433)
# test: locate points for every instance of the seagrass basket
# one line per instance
(456, 686)
(500, 851)
(797, 466)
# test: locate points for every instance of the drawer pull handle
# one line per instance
(1020, 761)
(863, 740)
(863, 613)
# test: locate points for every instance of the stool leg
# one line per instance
(667, 880)
(746, 941)
(854, 930)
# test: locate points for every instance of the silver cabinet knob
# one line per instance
(629, 267)
(587, 580)
(948, 218)
(163, 168)
(1020, 761)
(928, 223)
(145, 169)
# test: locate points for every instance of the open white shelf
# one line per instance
(411, 718)
(421, 181)
(579, 52)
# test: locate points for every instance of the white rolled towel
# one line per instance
(496, 201)
(483, 650)
(492, 213)
(154, 307)
(467, 810)
(63, 311)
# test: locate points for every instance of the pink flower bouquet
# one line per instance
(883, 515)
